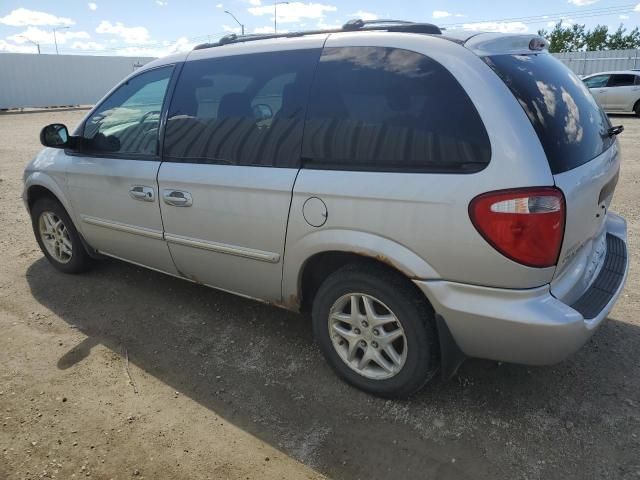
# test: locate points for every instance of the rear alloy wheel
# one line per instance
(367, 336)
(376, 330)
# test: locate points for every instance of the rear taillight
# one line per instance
(524, 224)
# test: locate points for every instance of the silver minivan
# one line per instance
(426, 196)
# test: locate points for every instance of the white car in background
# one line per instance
(616, 92)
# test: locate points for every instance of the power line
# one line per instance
(593, 12)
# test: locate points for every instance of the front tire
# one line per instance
(58, 238)
(376, 330)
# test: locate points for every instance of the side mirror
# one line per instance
(262, 111)
(55, 135)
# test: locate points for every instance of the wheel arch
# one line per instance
(319, 254)
(39, 185)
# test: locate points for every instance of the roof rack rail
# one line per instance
(355, 25)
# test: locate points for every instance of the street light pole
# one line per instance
(237, 21)
(31, 41)
(55, 38)
(275, 15)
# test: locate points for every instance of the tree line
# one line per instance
(576, 38)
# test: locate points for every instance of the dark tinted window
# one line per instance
(622, 80)
(241, 110)
(569, 122)
(382, 108)
(127, 122)
(598, 81)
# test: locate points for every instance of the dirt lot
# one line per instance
(227, 388)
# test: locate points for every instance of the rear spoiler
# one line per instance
(499, 43)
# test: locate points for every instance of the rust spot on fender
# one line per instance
(387, 261)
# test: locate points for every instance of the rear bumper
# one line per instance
(529, 326)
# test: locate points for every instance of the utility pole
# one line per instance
(237, 21)
(55, 38)
(275, 15)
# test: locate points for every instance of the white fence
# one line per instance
(28, 80)
(586, 63)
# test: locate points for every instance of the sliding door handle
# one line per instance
(177, 198)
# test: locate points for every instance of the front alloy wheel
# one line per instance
(55, 237)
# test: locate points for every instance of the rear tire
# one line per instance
(58, 238)
(388, 308)
(636, 108)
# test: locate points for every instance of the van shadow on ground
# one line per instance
(495, 420)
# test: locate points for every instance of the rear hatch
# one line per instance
(582, 155)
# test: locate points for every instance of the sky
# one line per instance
(161, 27)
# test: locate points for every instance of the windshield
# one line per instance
(572, 127)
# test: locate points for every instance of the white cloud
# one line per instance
(92, 6)
(362, 15)
(229, 29)
(322, 25)
(624, 17)
(162, 3)
(294, 12)
(441, 14)
(183, 44)
(12, 48)
(504, 27)
(267, 29)
(582, 3)
(93, 46)
(255, 3)
(219, 5)
(45, 37)
(637, 8)
(445, 14)
(138, 35)
(22, 17)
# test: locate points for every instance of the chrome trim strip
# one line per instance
(223, 248)
(122, 227)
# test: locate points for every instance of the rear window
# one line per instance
(570, 124)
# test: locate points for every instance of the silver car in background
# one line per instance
(616, 92)
(426, 196)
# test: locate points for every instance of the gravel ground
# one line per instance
(222, 387)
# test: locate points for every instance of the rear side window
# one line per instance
(376, 108)
(622, 80)
(241, 110)
(570, 124)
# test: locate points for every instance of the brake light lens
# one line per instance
(525, 224)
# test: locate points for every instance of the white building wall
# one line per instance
(29, 80)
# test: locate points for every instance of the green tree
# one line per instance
(596, 39)
(620, 40)
(565, 39)
(576, 38)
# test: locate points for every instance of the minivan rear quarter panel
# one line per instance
(425, 213)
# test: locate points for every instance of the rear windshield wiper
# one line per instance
(613, 131)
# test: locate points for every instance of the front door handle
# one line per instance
(177, 198)
(142, 193)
